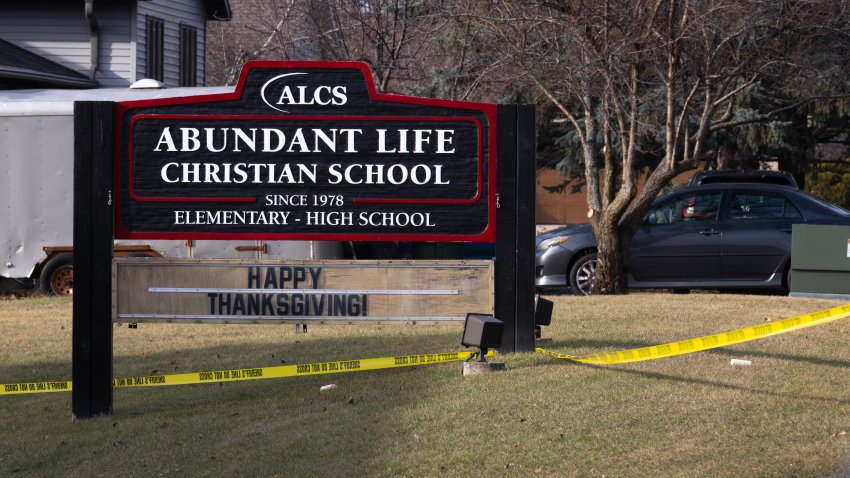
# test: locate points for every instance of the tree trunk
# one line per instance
(612, 259)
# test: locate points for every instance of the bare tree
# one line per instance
(620, 71)
(253, 33)
(410, 45)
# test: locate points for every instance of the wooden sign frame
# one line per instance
(508, 202)
(234, 291)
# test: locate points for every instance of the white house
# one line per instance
(104, 43)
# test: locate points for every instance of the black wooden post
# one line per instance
(91, 370)
(515, 186)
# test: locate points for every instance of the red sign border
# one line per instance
(488, 110)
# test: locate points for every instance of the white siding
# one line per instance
(113, 19)
(173, 13)
(58, 31)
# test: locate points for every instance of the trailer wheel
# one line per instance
(57, 277)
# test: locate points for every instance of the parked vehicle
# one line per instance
(730, 176)
(36, 194)
(720, 236)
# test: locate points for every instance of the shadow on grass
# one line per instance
(709, 383)
(615, 346)
(279, 426)
(560, 346)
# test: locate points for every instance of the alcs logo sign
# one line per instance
(279, 92)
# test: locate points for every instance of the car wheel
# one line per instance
(583, 274)
(57, 277)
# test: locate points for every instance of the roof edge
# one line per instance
(46, 78)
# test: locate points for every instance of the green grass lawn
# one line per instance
(788, 414)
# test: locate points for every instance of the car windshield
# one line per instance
(700, 206)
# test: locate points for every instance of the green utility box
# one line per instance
(820, 261)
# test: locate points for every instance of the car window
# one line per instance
(761, 205)
(685, 208)
(779, 180)
(836, 209)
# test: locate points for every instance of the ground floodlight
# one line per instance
(542, 310)
(482, 331)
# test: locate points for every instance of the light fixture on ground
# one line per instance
(542, 316)
(484, 332)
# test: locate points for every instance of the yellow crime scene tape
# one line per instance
(233, 375)
(710, 341)
(340, 366)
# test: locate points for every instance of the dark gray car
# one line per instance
(723, 236)
(734, 176)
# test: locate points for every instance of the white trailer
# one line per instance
(36, 194)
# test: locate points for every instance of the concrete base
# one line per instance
(479, 368)
(814, 295)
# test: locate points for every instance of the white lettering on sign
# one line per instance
(380, 174)
(330, 218)
(239, 173)
(286, 200)
(395, 219)
(298, 173)
(270, 140)
(230, 218)
(421, 137)
(848, 247)
(321, 95)
(280, 91)
(309, 218)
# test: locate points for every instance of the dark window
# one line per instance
(188, 56)
(155, 49)
(759, 205)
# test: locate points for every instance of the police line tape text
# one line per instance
(424, 359)
(328, 366)
(230, 374)
(35, 387)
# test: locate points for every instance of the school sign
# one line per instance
(298, 151)
(309, 151)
